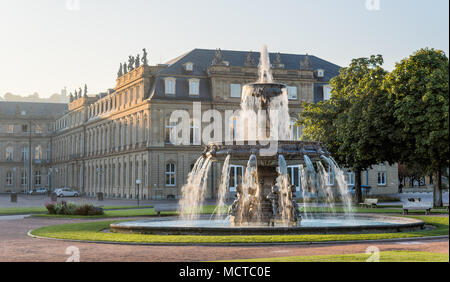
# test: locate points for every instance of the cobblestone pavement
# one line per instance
(15, 245)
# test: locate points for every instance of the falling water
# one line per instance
(223, 188)
(251, 192)
(326, 189)
(194, 191)
(285, 191)
(341, 185)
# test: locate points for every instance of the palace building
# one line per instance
(105, 142)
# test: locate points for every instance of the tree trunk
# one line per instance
(437, 195)
(358, 192)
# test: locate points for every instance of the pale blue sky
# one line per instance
(44, 46)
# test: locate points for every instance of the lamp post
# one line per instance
(14, 177)
(138, 182)
(100, 173)
(52, 171)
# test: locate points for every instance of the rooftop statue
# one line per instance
(85, 90)
(137, 62)
(125, 70)
(120, 73)
(130, 63)
(144, 57)
(80, 93)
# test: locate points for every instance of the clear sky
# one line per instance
(48, 44)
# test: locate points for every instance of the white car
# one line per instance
(38, 191)
(67, 192)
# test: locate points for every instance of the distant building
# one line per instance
(105, 143)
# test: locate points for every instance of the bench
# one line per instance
(165, 208)
(372, 203)
(417, 206)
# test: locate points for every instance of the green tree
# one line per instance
(419, 85)
(357, 123)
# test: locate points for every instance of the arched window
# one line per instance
(170, 137)
(170, 174)
(9, 178)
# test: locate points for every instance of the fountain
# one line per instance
(265, 202)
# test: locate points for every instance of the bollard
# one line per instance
(13, 197)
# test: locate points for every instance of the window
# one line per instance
(24, 128)
(9, 178)
(194, 87)
(292, 93)
(189, 66)
(295, 131)
(24, 178)
(235, 90)
(236, 176)
(170, 137)
(38, 129)
(195, 134)
(320, 73)
(382, 178)
(170, 174)
(330, 178)
(326, 92)
(38, 152)
(37, 178)
(9, 153)
(350, 178)
(294, 176)
(234, 127)
(24, 154)
(10, 128)
(170, 86)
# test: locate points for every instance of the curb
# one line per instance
(432, 238)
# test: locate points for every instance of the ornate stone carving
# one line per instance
(305, 64)
(218, 58)
(249, 61)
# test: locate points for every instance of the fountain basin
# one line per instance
(321, 224)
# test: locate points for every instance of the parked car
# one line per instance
(67, 192)
(38, 191)
(364, 190)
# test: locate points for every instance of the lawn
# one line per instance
(91, 231)
(390, 256)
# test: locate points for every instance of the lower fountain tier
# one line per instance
(291, 150)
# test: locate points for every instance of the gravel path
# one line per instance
(15, 245)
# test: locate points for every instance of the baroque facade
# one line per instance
(104, 143)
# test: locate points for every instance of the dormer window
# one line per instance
(292, 92)
(189, 66)
(194, 87)
(320, 73)
(170, 85)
